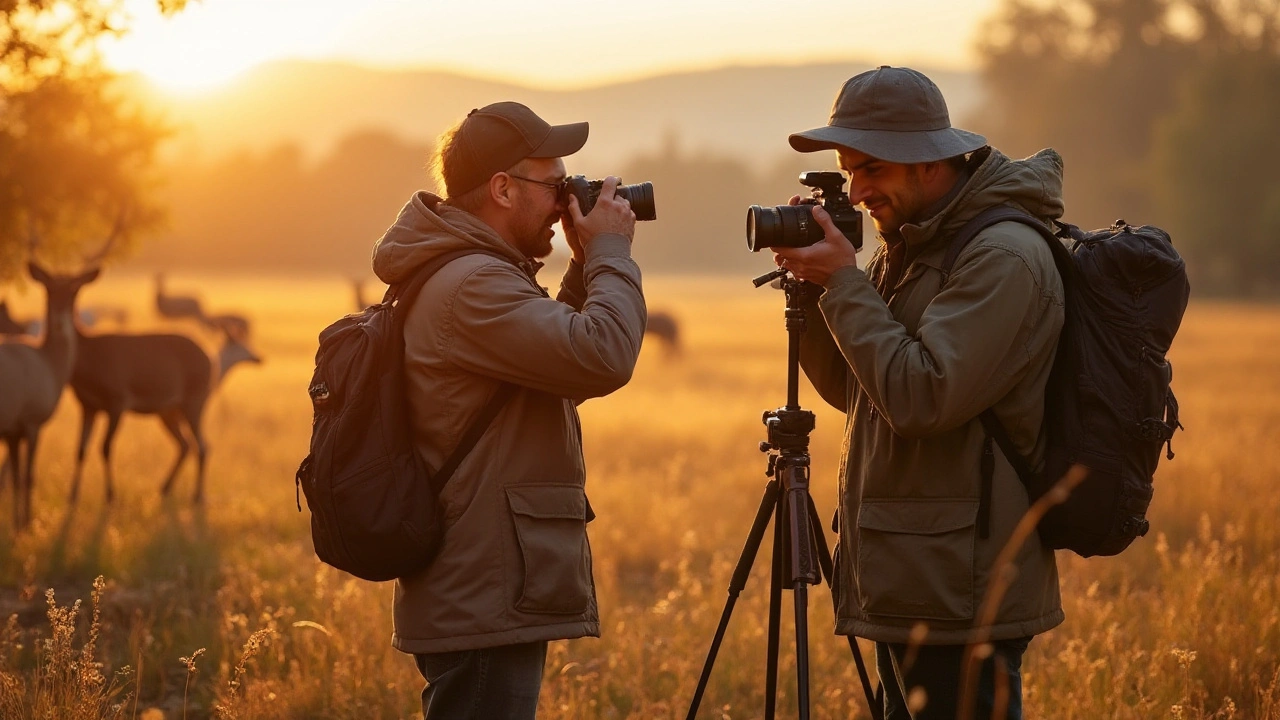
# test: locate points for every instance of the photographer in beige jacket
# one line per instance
(514, 570)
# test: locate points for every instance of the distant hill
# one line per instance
(301, 166)
(744, 112)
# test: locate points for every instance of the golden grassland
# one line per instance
(223, 611)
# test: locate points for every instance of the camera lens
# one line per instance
(640, 196)
(762, 224)
(781, 226)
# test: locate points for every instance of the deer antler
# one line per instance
(122, 221)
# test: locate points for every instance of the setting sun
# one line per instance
(209, 44)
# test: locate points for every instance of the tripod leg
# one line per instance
(739, 581)
(820, 539)
(824, 558)
(875, 698)
(775, 614)
(801, 600)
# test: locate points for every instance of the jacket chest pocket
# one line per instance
(551, 527)
(916, 558)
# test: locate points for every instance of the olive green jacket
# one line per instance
(515, 565)
(912, 374)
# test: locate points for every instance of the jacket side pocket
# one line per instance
(551, 526)
(915, 558)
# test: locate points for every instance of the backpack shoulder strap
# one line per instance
(472, 435)
(405, 292)
(996, 431)
(403, 295)
(995, 215)
(990, 423)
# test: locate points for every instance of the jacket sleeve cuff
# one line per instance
(608, 245)
(845, 275)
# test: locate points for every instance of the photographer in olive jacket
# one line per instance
(514, 570)
(913, 355)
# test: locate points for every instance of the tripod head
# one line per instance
(787, 430)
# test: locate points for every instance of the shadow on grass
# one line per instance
(90, 563)
(178, 570)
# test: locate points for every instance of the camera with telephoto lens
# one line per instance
(587, 191)
(793, 225)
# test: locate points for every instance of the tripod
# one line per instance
(800, 554)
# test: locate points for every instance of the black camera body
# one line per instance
(587, 191)
(794, 226)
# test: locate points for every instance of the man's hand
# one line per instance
(820, 260)
(611, 214)
(571, 236)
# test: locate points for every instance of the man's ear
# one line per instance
(500, 190)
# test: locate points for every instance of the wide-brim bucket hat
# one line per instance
(893, 114)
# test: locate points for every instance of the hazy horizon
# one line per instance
(213, 41)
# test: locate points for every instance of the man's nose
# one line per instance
(858, 192)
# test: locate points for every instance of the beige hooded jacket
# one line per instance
(515, 565)
(913, 373)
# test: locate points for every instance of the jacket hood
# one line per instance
(1033, 183)
(427, 228)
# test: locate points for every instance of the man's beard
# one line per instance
(902, 208)
(533, 239)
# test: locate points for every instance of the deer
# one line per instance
(9, 326)
(233, 326)
(664, 326)
(357, 287)
(176, 306)
(32, 378)
(155, 374)
(182, 306)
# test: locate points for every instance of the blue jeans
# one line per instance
(936, 670)
(497, 683)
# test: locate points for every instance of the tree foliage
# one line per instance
(75, 154)
(1158, 107)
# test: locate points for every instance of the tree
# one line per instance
(75, 154)
(1090, 78)
(1217, 158)
(1146, 100)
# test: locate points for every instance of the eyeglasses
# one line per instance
(558, 186)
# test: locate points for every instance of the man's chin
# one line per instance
(885, 223)
(544, 248)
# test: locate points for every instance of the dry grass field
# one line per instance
(223, 610)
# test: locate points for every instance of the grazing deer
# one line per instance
(165, 375)
(94, 314)
(9, 326)
(235, 327)
(176, 306)
(664, 326)
(361, 301)
(31, 382)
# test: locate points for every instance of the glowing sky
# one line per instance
(551, 43)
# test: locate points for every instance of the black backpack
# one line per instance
(374, 507)
(1108, 404)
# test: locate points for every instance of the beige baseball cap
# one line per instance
(495, 137)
